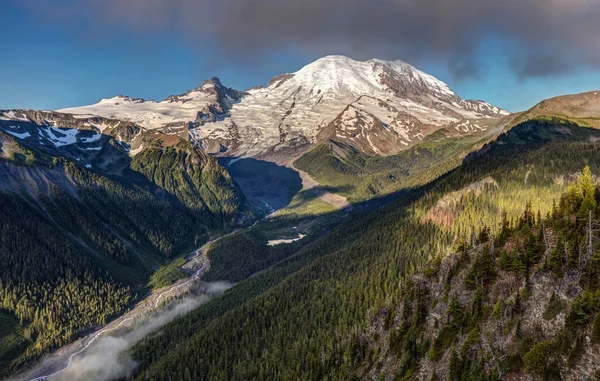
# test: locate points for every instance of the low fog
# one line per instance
(108, 358)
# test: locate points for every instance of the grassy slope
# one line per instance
(360, 177)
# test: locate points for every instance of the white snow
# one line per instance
(13, 116)
(371, 144)
(316, 94)
(303, 103)
(59, 136)
(233, 161)
(276, 242)
(468, 126)
(149, 114)
(63, 137)
(19, 135)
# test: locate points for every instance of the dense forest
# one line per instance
(247, 252)
(49, 283)
(85, 243)
(196, 179)
(306, 317)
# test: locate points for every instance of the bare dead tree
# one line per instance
(587, 249)
(486, 345)
(546, 240)
(590, 245)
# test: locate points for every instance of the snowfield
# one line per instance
(296, 107)
(152, 114)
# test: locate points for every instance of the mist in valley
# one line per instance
(109, 358)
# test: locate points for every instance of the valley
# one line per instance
(60, 362)
(351, 220)
(151, 306)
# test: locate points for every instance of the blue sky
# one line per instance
(47, 65)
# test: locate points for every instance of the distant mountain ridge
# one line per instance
(208, 101)
(379, 107)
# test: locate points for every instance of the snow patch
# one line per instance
(62, 137)
(276, 242)
(19, 135)
(13, 116)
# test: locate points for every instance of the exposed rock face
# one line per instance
(358, 127)
(280, 80)
(92, 141)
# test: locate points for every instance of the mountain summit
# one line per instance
(337, 97)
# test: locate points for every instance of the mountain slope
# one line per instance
(312, 313)
(93, 223)
(522, 303)
(109, 192)
(360, 176)
(583, 109)
(393, 104)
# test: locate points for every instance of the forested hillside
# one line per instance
(522, 302)
(306, 318)
(196, 179)
(361, 177)
(77, 246)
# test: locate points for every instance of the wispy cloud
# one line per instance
(542, 37)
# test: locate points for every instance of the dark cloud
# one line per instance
(540, 37)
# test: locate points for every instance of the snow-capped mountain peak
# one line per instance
(391, 98)
(302, 107)
(343, 74)
(338, 74)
